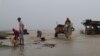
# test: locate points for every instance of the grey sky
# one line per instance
(43, 14)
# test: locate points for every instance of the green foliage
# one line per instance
(3, 35)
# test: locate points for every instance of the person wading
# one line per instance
(68, 28)
(21, 29)
(15, 40)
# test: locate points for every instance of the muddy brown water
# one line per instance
(79, 45)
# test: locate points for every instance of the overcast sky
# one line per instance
(43, 14)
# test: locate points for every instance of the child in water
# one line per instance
(15, 40)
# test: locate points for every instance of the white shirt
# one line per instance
(21, 26)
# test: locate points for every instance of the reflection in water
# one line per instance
(21, 51)
(14, 51)
(18, 51)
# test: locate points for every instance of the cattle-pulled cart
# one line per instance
(60, 29)
(91, 27)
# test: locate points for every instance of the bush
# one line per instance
(3, 35)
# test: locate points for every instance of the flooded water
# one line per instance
(79, 45)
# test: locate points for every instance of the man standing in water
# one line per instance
(21, 29)
(68, 28)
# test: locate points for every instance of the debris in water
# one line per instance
(49, 45)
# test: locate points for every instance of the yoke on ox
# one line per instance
(65, 30)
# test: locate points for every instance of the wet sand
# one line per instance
(79, 45)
